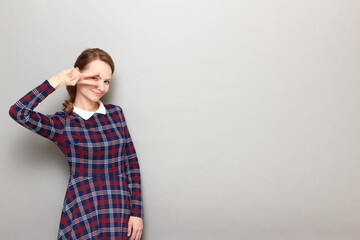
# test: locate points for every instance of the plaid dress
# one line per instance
(104, 186)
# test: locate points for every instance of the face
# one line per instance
(101, 83)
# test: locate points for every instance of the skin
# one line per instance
(92, 83)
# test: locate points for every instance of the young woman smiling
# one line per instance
(103, 198)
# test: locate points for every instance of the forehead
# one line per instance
(99, 66)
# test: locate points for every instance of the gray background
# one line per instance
(245, 114)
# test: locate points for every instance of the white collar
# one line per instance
(87, 114)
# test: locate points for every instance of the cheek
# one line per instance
(80, 89)
(107, 88)
(85, 89)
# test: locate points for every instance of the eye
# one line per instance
(107, 81)
(95, 78)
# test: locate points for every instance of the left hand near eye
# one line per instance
(135, 228)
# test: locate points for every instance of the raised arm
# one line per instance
(49, 126)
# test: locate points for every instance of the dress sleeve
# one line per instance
(132, 172)
(49, 126)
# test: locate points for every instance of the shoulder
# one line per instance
(60, 116)
(113, 108)
(115, 112)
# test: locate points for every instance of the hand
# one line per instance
(135, 228)
(71, 77)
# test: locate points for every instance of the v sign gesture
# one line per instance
(71, 77)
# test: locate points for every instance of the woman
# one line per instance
(103, 198)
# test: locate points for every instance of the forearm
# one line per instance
(49, 126)
(134, 184)
(23, 107)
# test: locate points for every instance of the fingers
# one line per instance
(138, 235)
(90, 75)
(135, 229)
(89, 82)
(129, 228)
(87, 78)
(68, 71)
(133, 235)
(75, 75)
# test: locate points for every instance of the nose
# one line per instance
(101, 86)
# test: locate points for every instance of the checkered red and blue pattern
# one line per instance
(104, 186)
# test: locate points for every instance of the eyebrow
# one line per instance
(109, 79)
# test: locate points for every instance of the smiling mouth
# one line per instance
(96, 93)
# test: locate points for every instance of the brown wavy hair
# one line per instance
(87, 56)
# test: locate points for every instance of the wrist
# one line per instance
(55, 82)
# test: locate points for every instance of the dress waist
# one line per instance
(99, 175)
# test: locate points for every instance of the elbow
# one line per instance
(12, 112)
(17, 113)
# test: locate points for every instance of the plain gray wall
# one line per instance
(245, 114)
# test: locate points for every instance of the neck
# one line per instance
(86, 105)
